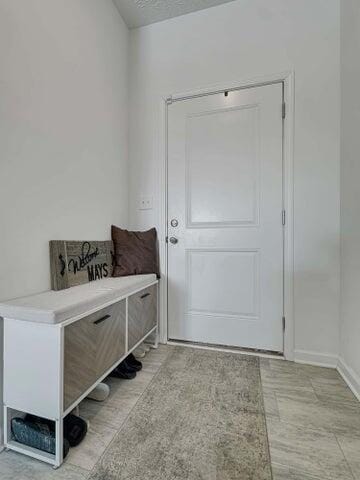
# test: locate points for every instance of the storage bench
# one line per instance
(59, 345)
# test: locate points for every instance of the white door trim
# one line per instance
(288, 79)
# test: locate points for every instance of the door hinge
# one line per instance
(283, 110)
(283, 217)
(283, 323)
(166, 239)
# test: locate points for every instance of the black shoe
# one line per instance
(75, 429)
(123, 371)
(135, 364)
(128, 366)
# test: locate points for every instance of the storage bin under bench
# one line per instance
(59, 345)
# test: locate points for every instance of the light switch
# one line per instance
(146, 203)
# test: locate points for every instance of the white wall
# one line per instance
(63, 131)
(251, 38)
(350, 190)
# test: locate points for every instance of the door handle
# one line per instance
(173, 240)
(102, 319)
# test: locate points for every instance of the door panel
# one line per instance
(225, 273)
(223, 296)
(216, 197)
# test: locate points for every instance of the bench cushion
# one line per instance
(56, 307)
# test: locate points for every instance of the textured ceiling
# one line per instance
(138, 13)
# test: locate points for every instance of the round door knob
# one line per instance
(174, 222)
(173, 240)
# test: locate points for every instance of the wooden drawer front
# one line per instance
(91, 346)
(142, 314)
(111, 335)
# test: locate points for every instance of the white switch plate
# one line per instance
(146, 203)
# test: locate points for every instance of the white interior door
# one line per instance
(225, 202)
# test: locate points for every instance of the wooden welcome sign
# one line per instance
(77, 262)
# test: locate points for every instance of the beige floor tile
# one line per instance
(327, 407)
(15, 466)
(284, 366)
(126, 398)
(317, 373)
(281, 472)
(135, 386)
(110, 415)
(305, 371)
(333, 391)
(350, 445)
(286, 382)
(271, 406)
(92, 447)
(152, 365)
(331, 416)
(311, 452)
(304, 396)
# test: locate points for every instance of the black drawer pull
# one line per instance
(102, 319)
(145, 295)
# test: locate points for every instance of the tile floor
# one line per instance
(313, 423)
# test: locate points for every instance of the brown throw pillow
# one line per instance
(135, 252)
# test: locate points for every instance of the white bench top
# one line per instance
(58, 306)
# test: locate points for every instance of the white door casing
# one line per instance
(225, 274)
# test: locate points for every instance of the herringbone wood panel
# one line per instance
(111, 339)
(142, 314)
(91, 348)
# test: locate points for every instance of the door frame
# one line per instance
(288, 81)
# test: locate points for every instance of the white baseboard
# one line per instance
(327, 360)
(350, 377)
